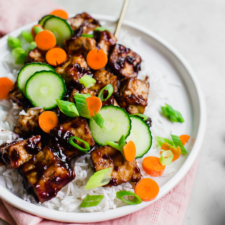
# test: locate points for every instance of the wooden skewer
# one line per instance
(119, 23)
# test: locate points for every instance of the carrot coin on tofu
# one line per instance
(176, 151)
(60, 13)
(97, 59)
(147, 189)
(45, 40)
(55, 56)
(129, 151)
(33, 33)
(6, 85)
(184, 138)
(48, 120)
(94, 105)
(152, 166)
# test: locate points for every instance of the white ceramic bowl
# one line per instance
(189, 97)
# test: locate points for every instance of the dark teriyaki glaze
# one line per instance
(149, 122)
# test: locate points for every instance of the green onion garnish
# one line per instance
(166, 158)
(87, 146)
(171, 114)
(68, 108)
(27, 36)
(14, 42)
(87, 81)
(122, 142)
(119, 146)
(161, 140)
(91, 200)
(136, 199)
(32, 46)
(101, 29)
(113, 144)
(37, 29)
(109, 88)
(98, 119)
(87, 35)
(81, 104)
(20, 55)
(140, 115)
(99, 179)
(177, 142)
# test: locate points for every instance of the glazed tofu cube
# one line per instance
(2, 163)
(17, 153)
(36, 55)
(28, 124)
(79, 45)
(110, 101)
(45, 175)
(123, 171)
(124, 62)
(84, 90)
(84, 21)
(103, 78)
(133, 96)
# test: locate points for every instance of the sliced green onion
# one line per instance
(14, 42)
(68, 108)
(91, 200)
(113, 144)
(87, 81)
(109, 88)
(140, 115)
(179, 117)
(20, 55)
(166, 158)
(136, 199)
(98, 119)
(32, 46)
(165, 111)
(37, 29)
(101, 29)
(161, 140)
(98, 179)
(122, 142)
(81, 104)
(171, 114)
(87, 35)
(178, 142)
(27, 36)
(87, 146)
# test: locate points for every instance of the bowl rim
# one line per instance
(46, 213)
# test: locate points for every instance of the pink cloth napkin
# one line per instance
(169, 210)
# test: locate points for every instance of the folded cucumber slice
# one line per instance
(59, 27)
(43, 19)
(116, 123)
(140, 134)
(27, 71)
(43, 88)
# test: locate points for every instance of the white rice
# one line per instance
(71, 196)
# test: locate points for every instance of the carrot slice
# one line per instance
(55, 56)
(129, 151)
(176, 151)
(45, 40)
(152, 166)
(97, 59)
(60, 13)
(6, 85)
(147, 189)
(33, 33)
(184, 138)
(94, 105)
(48, 120)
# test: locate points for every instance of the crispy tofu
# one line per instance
(45, 175)
(83, 20)
(133, 95)
(28, 124)
(110, 101)
(124, 62)
(103, 78)
(2, 163)
(36, 55)
(84, 90)
(123, 171)
(73, 69)
(17, 153)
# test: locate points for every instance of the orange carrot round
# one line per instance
(48, 120)
(55, 56)
(60, 13)
(45, 40)
(129, 151)
(184, 138)
(152, 166)
(176, 151)
(147, 189)
(6, 85)
(33, 33)
(94, 105)
(97, 59)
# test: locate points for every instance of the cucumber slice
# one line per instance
(43, 88)
(140, 134)
(59, 27)
(43, 19)
(116, 123)
(27, 71)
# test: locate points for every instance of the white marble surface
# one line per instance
(196, 28)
